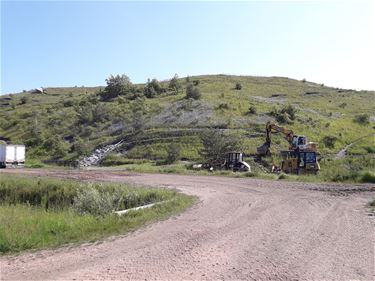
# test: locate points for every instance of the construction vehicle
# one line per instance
(234, 161)
(301, 156)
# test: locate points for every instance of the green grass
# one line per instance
(26, 223)
(350, 170)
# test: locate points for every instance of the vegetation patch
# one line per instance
(37, 213)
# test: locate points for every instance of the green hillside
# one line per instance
(68, 123)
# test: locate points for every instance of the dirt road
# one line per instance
(241, 229)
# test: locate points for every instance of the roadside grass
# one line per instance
(372, 203)
(37, 213)
(350, 169)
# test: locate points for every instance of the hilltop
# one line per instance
(68, 123)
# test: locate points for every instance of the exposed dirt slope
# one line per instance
(241, 229)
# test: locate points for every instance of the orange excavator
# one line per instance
(301, 156)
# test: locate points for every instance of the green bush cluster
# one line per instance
(193, 92)
(284, 115)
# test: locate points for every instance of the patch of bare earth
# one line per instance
(241, 229)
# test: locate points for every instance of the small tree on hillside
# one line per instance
(116, 86)
(173, 151)
(216, 145)
(238, 86)
(153, 88)
(174, 84)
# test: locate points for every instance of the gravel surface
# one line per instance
(241, 229)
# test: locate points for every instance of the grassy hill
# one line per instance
(68, 123)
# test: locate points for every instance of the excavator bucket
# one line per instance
(264, 149)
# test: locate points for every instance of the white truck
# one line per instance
(12, 155)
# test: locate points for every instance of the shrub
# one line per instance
(329, 141)
(282, 176)
(290, 110)
(24, 100)
(223, 106)
(252, 109)
(362, 119)
(68, 103)
(367, 177)
(91, 201)
(285, 114)
(370, 149)
(193, 92)
(238, 86)
(173, 151)
(153, 88)
(116, 86)
(174, 84)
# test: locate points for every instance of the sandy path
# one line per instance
(241, 229)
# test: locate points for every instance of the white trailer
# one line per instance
(12, 155)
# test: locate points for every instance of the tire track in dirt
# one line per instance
(241, 229)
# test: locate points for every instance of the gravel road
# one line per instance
(241, 229)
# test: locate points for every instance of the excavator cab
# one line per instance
(298, 142)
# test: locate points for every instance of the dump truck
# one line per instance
(12, 155)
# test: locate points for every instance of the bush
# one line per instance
(329, 141)
(153, 88)
(173, 151)
(367, 177)
(238, 86)
(91, 201)
(252, 109)
(223, 106)
(24, 100)
(193, 92)
(174, 84)
(290, 110)
(117, 86)
(279, 116)
(362, 119)
(68, 103)
(285, 114)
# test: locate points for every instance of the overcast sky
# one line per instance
(71, 43)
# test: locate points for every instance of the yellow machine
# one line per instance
(301, 156)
